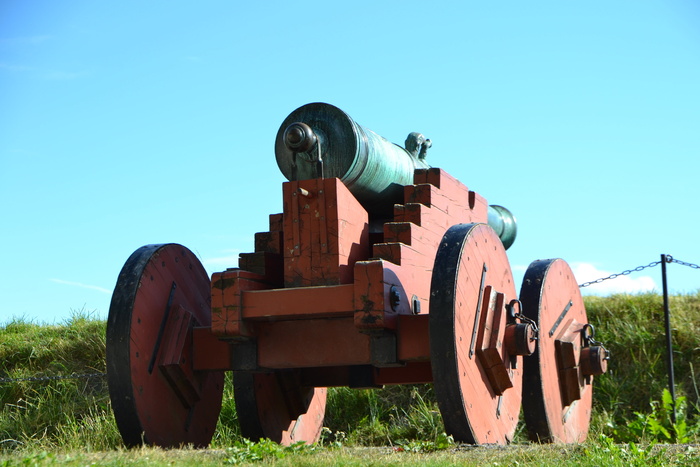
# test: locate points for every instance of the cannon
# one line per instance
(380, 270)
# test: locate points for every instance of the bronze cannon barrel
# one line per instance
(320, 140)
(503, 222)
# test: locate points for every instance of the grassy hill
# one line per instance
(74, 414)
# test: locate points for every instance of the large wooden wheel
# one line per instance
(161, 294)
(558, 377)
(276, 406)
(477, 380)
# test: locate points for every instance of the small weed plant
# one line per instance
(247, 451)
(658, 426)
(624, 454)
(440, 443)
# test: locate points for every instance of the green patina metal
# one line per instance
(502, 221)
(374, 169)
(320, 140)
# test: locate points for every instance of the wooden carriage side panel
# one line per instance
(437, 202)
(430, 208)
(326, 231)
(458, 204)
(384, 291)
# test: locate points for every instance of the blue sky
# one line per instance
(128, 123)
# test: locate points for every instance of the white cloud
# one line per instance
(633, 283)
(229, 260)
(84, 286)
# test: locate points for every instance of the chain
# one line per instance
(623, 273)
(669, 259)
(53, 378)
(531, 322)
(589, 338)
(683, 263)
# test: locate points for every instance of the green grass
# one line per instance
(593, 453)
(55, 413)
(632, 328)
(51, 421)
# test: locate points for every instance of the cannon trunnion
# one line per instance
(380, 270)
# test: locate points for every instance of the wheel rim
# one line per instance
(161, 294)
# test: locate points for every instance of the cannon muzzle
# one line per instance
(299, 137)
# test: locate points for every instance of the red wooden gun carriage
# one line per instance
(381, 270)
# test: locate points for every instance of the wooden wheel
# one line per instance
(276, 406)
(161, 294)
(477, 380)
(558, 377)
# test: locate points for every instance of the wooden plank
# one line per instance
(312, 343)
(263, 263)
(294, 261)
(457, 203)
(270, 242)
(412, 373)
(208, 351)
(226, 293)
(489, 348)
(414, 212)
(326, 231)
(413, 338)
(420, 176)
(372, 307)
(405, 255)
(299, 303)
(420, 238)
(276, 222)
(436, 188)
(374, 281)
(347, 227)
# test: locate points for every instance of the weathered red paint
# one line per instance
(326, 231)
(323, 298)
(208, 351)
(477, 382)
(159, 397)
(558, 406)
(343, 292)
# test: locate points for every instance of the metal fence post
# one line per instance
(669, 344)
